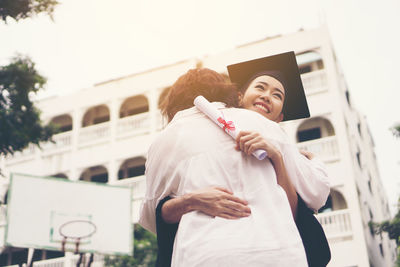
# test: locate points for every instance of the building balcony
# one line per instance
(94, 133)
(24, 155)
(315, 81)
(336, 224)
(61, 141)
(131, 125)
(326, 148)
(90, 135)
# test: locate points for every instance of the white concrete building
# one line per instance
(108, 128)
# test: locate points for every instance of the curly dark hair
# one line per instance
(202, 81)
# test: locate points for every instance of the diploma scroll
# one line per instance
(228, 126)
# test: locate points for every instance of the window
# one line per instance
(97, 174)
(96, 115)
(309, 134)
(63, 122)
(132, 167)
(100, 178)
(134, 105)
(101, 119)
(369, 186)
(381, 250)
(358, 158)
(369, 183)
(132, 172)
(328, 205)
(305, 69)
(314, 128)
(348, 97)
(309, 61)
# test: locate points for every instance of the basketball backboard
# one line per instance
(42, 211)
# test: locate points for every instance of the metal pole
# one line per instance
(29, 262)
(90, 260)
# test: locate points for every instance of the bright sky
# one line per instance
(96, 40)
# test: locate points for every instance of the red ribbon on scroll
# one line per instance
(227, 125)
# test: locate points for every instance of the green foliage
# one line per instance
(20, 119)
(392, 227)
(145, 251)
(396, 130)
(21, 9)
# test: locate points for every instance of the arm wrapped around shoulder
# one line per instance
(309, 177)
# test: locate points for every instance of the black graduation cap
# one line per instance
(284, 68)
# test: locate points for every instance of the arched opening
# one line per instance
(63, 122)
(134, 105)
(96, 115)
(96, 174)
(335, 201)
(309, 61)
(314, 128)
(132, 167)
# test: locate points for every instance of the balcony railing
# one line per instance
(57, 262)
(61, 140)
(134, 124)
(336, 224)
(315, 81)
(26, 154)
(326, 148)
(94, 133)
(68, 262)
(138, 185)
(131, 125)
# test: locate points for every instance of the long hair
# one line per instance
(208, 83)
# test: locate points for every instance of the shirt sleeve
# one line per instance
(162, 180)
(309, 177)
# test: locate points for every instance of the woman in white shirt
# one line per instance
(191, 154)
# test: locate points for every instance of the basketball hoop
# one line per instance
(76, 230)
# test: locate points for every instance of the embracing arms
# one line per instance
(217, 201)
(248, 142)
(213, 201)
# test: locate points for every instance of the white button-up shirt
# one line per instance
(193, 153)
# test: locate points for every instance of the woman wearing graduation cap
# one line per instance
(253, 78)
(275, 242)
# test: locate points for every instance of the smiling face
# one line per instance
(266, 96)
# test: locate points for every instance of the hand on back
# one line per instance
(220, 202)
